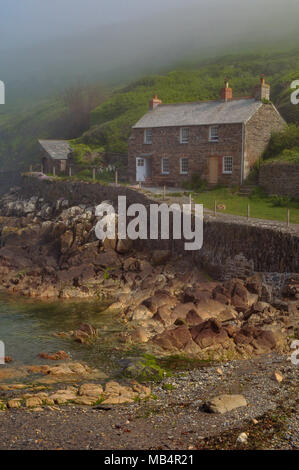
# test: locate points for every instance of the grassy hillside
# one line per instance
(20, 130)
(112, 121)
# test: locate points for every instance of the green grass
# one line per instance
(261, 207)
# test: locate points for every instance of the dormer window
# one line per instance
(214, 134)
(184, 137)
(148, 136)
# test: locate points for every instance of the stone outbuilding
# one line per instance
(55, 154)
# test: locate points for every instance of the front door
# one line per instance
(213, 170)
(140, 169)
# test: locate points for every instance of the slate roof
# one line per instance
(56, 149)
(201, 113)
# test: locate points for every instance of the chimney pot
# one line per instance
(262, 91)
(226, 92)
(154, 102)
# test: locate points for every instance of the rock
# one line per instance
(243, 438)
(33, 402)
(141, 313)
(85, 400)
(91, 390)
(277, 376)
(225, 403)
(159, 300)
(61, 397)
(160, 256)
(59, 356)
(140, 335)
(209, 334)
(14, 403)
(66, 241)
(176, 339)
(124, 246)
(219, 371)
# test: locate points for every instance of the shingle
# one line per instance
(201, 113)
(57, 149)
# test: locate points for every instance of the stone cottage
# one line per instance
(219, 140)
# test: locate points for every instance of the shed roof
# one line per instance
(57, 149)
(200, 113)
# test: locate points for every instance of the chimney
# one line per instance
(226, 92)
(262, 91)
(154, 102)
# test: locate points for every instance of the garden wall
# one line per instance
(280, 178)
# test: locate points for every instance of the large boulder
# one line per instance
(225, 403)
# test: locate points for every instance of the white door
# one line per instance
(140, 169)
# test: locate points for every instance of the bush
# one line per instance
(280, 201)
(196, 183)
(288, 139)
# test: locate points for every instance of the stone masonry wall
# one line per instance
(166, 143)
(281, 179)
(233, 246)
(258, 132)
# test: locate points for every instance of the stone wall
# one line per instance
(258, 131)
(9, 179)
(166, 143)
(280, 178)
(233, 246)
(77, 192)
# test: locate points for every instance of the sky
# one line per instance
(47, 44)
(27, 21)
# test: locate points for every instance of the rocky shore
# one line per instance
(166, 300)
(241, 329)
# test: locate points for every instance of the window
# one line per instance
(148, 136)
(184, 166)
(140, 162)
(214, 134)
(184, 135)
(227, 165)
(165, 166)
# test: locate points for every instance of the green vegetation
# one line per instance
(261, 206)
(111, 121)
(283, 146)
(83, 153)
(109, 125)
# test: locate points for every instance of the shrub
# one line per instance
(196, 183)
(280, 201)
(280, 141)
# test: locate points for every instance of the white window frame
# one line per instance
(148, 136)
(184, 140)
(181, 166)
(211, 137)
(224, 165)
(165, 172)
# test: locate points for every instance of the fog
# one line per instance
(44, 45)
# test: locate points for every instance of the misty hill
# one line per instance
(121, 52)
(111, 122)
